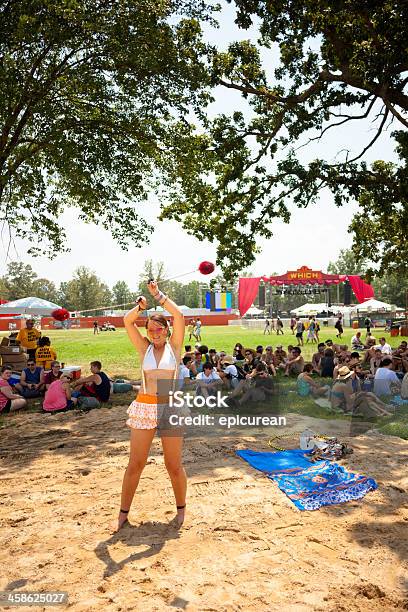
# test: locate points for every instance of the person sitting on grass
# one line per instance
(208, 382)
(30, 384)
(306, 385)
(384, 347)
(45, 354)
(188, 351)
(58, 396)
(54, 374)
(9, 401)
(316, 358)
(258, 387)
(96, 385)
(356, 342)
(364, 403)
(227, 371)
(251, 360)
(375, 361)
(295, 363)
(386, 382)
(184, 374)
(369, 351)
(279, 356)
(213, 358)
(197, 363)
(238, 352)
(269, 360)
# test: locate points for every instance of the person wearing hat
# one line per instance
(228, 371)
(269, 360)
(279, 356)
(363, 402)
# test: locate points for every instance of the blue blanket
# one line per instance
(277, 463)
(313, 485)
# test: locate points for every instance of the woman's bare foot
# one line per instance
(180, 516)
(122, 519)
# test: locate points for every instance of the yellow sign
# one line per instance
(304, 273)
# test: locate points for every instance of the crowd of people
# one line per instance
(360, 376)
(355, 380)
(56, 387)
(45, 377)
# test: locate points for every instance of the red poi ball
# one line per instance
(60, 314)
(206, 267)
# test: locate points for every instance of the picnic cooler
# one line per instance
(14, 356)
(74, 371)
(404, 330)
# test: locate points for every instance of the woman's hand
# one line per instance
(141, 302)
(152, 288)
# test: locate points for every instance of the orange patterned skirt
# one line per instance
(146, 411)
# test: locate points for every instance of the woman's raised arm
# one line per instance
(177, 337)
(138, 340)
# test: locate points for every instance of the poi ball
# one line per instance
(61, 314)
(206, 267)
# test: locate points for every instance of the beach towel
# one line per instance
(323, 484)
(309, 485)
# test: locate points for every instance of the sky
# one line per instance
(313, 237)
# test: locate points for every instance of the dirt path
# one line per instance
(244, 547)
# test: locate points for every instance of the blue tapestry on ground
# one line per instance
(276, 463)
(309, 485)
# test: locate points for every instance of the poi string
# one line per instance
(205, 267)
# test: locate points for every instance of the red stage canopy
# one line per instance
(248, 287)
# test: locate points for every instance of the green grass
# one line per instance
(119, 357)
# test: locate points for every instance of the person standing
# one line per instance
(293, 324)
(198, 326)
(300, 328)
(267, 328)
(28, 338)
(190, 329)
(96, 327)
(368, 325)
(311, 335)
(339, 326)
(279, 326)
(160, 358)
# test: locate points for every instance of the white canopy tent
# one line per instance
(32, 306)
(254, 311)
(375, 305)
(310, 309)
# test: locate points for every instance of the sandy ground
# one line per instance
(244, 545)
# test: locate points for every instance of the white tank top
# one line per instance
(168, 361)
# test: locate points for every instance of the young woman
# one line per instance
(362, 403)
(159, 364)
(9, 400)
(58, 395)
(306, 385)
